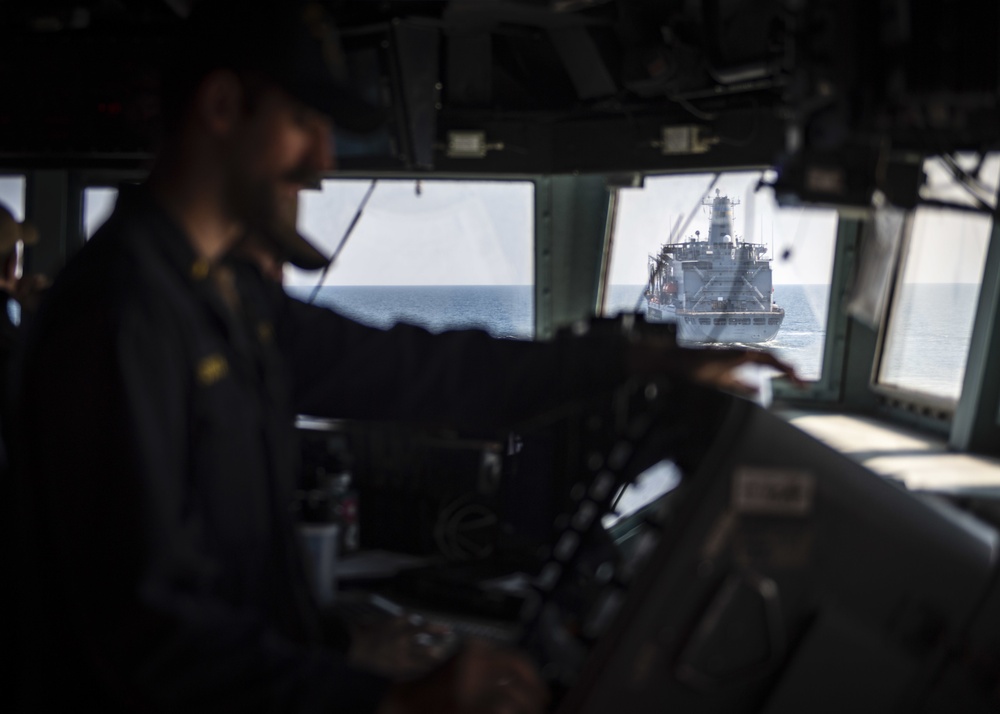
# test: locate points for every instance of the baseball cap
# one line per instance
(294, 44)
(291, 42)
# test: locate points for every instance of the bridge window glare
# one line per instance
(724, 290)
(931, 318)
(98, 202)
(441, 254)
(12, 191)
(12, 195)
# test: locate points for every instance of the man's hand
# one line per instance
(27, 290)
(401, 648)
(713, 367)
(481, 679)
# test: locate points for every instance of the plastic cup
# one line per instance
(319, 541)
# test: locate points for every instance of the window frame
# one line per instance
(829, 387)
(826, 389)
(103, 178)
(533, 180)
(851, 358)
(924, 410)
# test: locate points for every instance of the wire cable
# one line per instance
(967, 182)
(692, 109)
(343, 242)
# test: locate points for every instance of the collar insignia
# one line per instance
(211, 369)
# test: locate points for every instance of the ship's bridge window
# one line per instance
(796, 261)
(441, 254)
(930, 320)
(98, 202)
(12, 195)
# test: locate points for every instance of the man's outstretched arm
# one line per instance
(464, 377)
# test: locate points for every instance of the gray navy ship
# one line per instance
(716, 290)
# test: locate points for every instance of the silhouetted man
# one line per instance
(159, 401)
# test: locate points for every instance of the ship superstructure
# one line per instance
(717, 290)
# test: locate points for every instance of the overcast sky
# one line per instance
(480, 232)
(950, 246)
(646, 217)
(450, 233)
(470, 233)
(12, 195)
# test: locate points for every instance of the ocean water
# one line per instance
(800, 340)
(502, 310)
(928, 337)
(926, 351)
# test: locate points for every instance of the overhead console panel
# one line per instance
(844, 98)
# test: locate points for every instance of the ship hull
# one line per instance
(709, 327)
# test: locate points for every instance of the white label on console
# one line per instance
(773, 492)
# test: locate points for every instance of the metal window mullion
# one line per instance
(543, 259)
(49, 207)
(835, 345)
(975, 426)
(571, 235)
(609, 237)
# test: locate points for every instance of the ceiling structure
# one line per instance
(559, 86)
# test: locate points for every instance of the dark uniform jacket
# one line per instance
(157, 469)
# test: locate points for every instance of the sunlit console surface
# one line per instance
(922, 462)
(777, 576)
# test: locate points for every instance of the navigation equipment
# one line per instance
(777, 576)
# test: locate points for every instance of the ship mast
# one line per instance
(721, 213)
